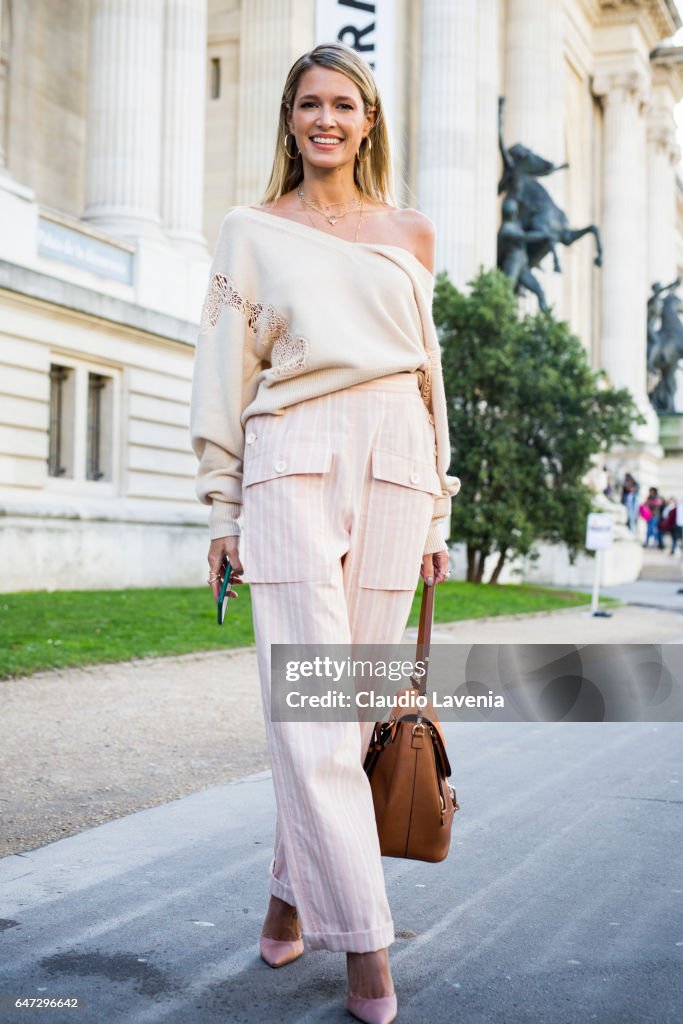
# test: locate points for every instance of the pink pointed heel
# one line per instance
(277, 953)
(381, 1010)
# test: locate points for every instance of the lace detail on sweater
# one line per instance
(288, 351)
(426, 384)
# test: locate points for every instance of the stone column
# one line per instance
(18, 220)
(448, 132)
(624, 273)
(4, 75)
(534, 105)
(184, 106)
(663, 155)
(272, 36)
(489, 86)
(534, 77)
(123, 152)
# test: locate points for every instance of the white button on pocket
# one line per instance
(414, 477)
(280, 466)
(250, 438)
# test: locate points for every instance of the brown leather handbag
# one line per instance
(408, 768)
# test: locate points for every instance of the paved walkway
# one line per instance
(649, 593)
(660, 584)
(117, 738)
(559, 902)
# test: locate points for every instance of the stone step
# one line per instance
(661, 565)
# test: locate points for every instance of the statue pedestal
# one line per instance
(621, 563)
(671, 470)
(671, 432)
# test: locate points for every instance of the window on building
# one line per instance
(62, 394)
(98, 447)
(215, 78)
(83, 424)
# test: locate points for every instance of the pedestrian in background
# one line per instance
(629, 497)
(668, 522)
(651, 511)
(677, 533)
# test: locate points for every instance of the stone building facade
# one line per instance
(128, 129)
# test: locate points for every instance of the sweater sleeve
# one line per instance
(435, 538)
(450, 484)
(224, 382)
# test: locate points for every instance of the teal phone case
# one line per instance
(221, 597)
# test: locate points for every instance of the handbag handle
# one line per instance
(424, 636)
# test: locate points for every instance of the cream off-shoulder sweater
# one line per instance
(292, 313)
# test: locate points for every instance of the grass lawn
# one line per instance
(43, 630)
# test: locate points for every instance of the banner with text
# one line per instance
(369, 28)
(479, 682)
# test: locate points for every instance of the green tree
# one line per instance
(526, 412)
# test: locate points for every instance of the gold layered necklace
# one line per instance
(332, 219)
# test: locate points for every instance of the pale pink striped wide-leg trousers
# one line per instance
(338, 495)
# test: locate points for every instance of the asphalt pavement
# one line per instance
(561, 901)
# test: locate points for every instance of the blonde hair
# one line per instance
(373, 175)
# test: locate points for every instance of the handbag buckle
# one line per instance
(456, 805)
(420, 726)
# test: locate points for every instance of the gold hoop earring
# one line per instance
(289, 155)
(362, 159)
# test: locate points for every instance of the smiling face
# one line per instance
(328, 119)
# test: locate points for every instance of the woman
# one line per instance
(651, 511)
(629, 496)
(318, 417)
(667, 523)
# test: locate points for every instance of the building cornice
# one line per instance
(662, 15)
(591, 9)
(39, 287)
(667, 65)
(667, 56)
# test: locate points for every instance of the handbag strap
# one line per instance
(424, 636)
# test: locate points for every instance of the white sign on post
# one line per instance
(599, 531)
(599, 535)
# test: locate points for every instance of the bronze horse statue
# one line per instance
(538, 213)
